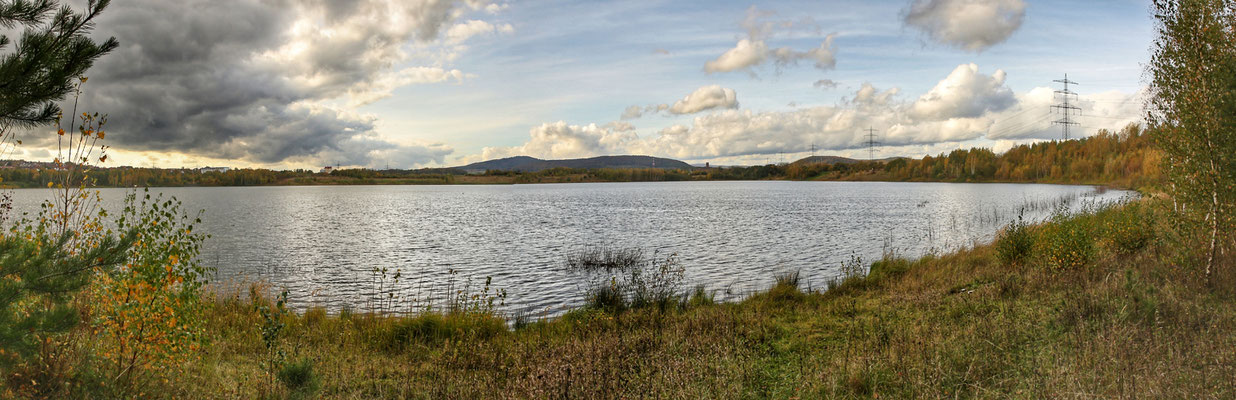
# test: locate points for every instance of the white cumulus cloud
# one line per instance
(746, 54)
(972, 25)
(562, 140)
(753, 51)
(706, 98)
(464, 30)
(703, 99)
(965, 93)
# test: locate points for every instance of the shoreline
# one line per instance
(1107, 185)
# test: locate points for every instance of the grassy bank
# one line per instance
(1087, 306)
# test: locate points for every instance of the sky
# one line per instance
(424, 83)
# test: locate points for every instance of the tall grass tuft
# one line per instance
(700, 297)
(786, 287)
(852, 275)
(434, 328)
(299, 380)
(790, 279)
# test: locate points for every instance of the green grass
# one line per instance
(1125, 322)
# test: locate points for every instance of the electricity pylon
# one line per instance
(871, 143)
(1065, 106)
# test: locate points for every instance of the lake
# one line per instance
(322, 243)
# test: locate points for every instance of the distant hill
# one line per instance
(830, 160)
(530, 164)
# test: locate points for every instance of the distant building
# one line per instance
(213, 169)
(326, 170)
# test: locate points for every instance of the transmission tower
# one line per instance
(871, 143)
(1066, 107)
(813, 149)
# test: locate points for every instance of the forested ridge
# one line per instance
(1123, 158)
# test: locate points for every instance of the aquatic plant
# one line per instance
(619, 279)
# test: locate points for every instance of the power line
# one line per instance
(1019, 113)
(871, 143)
(1115, 118)
(1021, 126)
(1065, 107)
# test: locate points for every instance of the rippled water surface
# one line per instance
(323, 242)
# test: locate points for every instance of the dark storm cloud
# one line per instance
(234, 79)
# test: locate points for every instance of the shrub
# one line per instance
(272, 325)
(1067, 243)
(1015, 243)
(1127, 229)
(149, 312)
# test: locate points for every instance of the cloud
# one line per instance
(868, 97)
(972, 25)
(561, 140)
(462, 31)
(746, 54)
(495, 8)
(633, 112)
(822, 55)
(263, 81)
(383, 85)
(703, 99)
(1031, 118)
(753, 50)
(965, 93)
(732, 132)
(825, 83)
(962, 107)
(706, 98)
